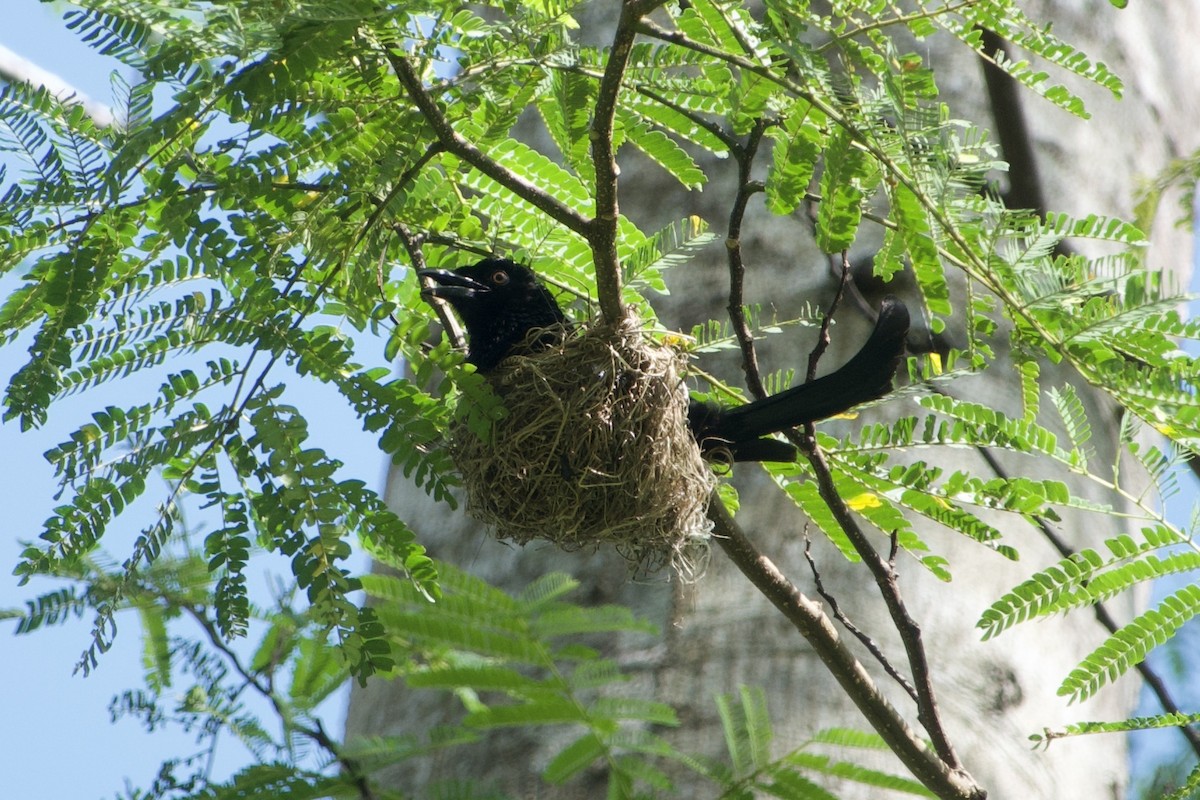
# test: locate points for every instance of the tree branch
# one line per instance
(1025, 191)
(455, 144)
(450, 324)
(885, 576)
(886, 579)
(884, 572)
(737, 266)
(943, 779)
(814, 358)
(317, 734)
(858, 633)
(602, 232)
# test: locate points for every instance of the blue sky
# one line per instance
(57, 739)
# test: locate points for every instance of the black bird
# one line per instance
(501, 303)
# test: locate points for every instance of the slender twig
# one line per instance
(602, 232)
(726, 138)
(1025, 191)
(317, 734)
(943, 779)
(454, 143)
(450, 324)
(736, 307)
(899, 19)
(885, 578)
(813, 359)
(884, 575)
(381, 206)
(231, 421)
(974, 266)
(822, 344)
(1152, 679)
(858, 633)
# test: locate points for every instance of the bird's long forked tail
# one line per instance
(865, 377)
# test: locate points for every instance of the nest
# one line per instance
(594, 450)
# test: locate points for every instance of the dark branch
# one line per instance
(886, 579)
(736, 307)
(883, 572)
(450, 324)
(1008, 118)
(814, 625)
(858, 633)
(468, 152)
(814, 358)
(602, 232)
(1025, 191)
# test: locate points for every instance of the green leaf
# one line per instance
(843, 182)
(573, 759)
(798, 145)
(1129, 645)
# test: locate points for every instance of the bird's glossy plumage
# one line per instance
(501, 303)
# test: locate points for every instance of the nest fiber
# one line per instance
(594, 449)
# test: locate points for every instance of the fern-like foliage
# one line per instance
(801, 773)
(246, 225)
(517, 660)
(521, 660)
(192, 681)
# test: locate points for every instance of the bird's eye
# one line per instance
(499, 277)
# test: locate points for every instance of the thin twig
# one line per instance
(974, 266)
(736, 306)
(883, 572)
(468, 152)
(823, 335)
(317, 734)
(858, 633)
(885, 580)
(602, 231)
(382, 206)
(409, 174)
(412, 245)
(943, 779)
(726, 138)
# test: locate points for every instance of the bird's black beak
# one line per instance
(450, 285)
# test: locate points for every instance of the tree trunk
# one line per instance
(719, 633)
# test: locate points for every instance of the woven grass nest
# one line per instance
(594, 450)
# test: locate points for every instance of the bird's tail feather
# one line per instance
(865, 377)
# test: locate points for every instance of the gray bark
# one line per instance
(719, 633)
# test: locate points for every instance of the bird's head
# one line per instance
(499, 302)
